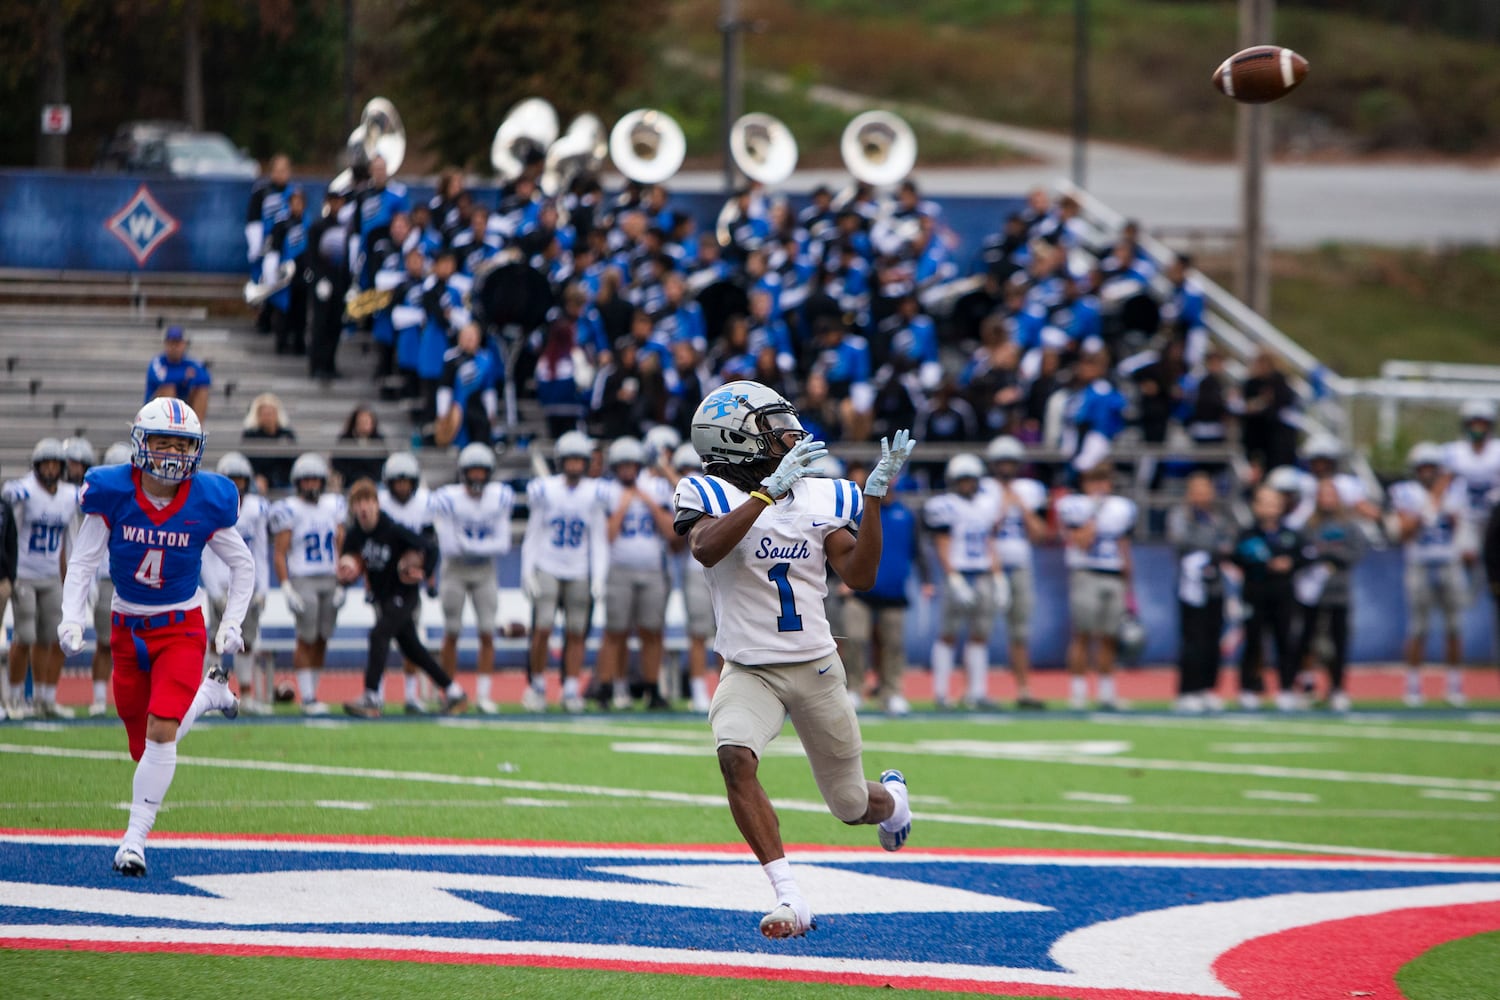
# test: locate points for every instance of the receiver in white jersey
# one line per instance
(970, 525)
(43, 523)
(639, 546)
(414, 514)
(1011, 538)
(314, 527)
(470, 527)
(768, 591)
(566, 536)
(254, 527)
(1442, 535)
(1114, 520)
(1480, 471)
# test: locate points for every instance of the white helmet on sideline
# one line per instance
(625, 450)
(1005, 449)
(309, 465)
(686, 457)
(963, 466)
(573, 444)
(233, 466)
(401, 465)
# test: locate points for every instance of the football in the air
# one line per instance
(1260, 74)
(410, 567)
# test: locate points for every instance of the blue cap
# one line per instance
(174, 333)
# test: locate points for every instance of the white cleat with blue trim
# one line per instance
(895, 783)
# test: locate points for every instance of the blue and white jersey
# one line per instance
(969, 523)
(415, 514)
(156, 553)
(638, 546)
(1011, 538)
(768, 592)
(566, 536)
(1442, 534)
(314, 529)
(469, 527)
(1114, 520)
(43, 521)
(376, 208)
(1480, 470)
(254, 526)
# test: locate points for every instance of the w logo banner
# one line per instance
(1075, 924)
(142, 225)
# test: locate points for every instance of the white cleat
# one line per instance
(897, 706)
(314, 708)
(130, 861)
(791, 918)
(1212, 702)
(533, 700)
(251, 706)
(1249, 701)
(486, 707)
(894, 782)
(621, 701)
(1189, 704)
(1456, 699)
(97, 709)
(1339, 702)
(216, 686)
(1412, 699)
(573, 704)
(1288, 701)
(700, 704)
(1078, 704)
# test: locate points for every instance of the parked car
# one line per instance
(174, 148)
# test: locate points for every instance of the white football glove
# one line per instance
(794, 465)
(893, 455)
(1002, 591)
(229, 641)
(294, 602)
(959, 591)
(596, 590)
(530, 586)
(340, 595)
(70, 637)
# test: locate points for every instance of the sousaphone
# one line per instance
(765, 151)
(647, 146)
(523, 137)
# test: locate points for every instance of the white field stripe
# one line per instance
(1251, 748)
(1439, 793)
(1354, 729)
(687, 798)
(1273, 796)
(1100, 797)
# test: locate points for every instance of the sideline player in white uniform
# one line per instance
(1023, 504)
(472, 520)
(1432, 523)
(118, 453)
(46, 511)
(697, 602)
(1475, 458)
(309, 531)
(638, 506)
(564, 559)
(407, 501)
(1096, 526)
(1323, 455)
(962, 523)
(763, 533)
(254, 527)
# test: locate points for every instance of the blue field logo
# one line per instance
(1110, 927)
(142, 225)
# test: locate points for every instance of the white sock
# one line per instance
(455, 690)
(1107, 689)
(942, 669)
(101, 692)
(539, 684)
(1413, 680)
(413, 686)
(977, 665)
(1455, 680)
(782, 879)
(620, 688)
(307, 684)
(698, 688)
(901, 815)
(570, 687)
(153, 776)
(244, 672)
(482, 686)
(1078, 687)
(47, 693)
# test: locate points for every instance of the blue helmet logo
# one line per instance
(720, 403)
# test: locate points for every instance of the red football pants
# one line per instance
(158, 665)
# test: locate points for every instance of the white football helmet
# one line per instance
(1477, 409)
(235, 466)
(48, 450)
(685, 459)
(573, 444)
(1005, 449)
(118, 453)
(1426, 453)
(625, 450)
(166, 417)
(828, 467)
(737, 422)
(1322, 447)
(401, 465)
(963, 466)
(309, 465)
(661, 440)
(1285, 479)
(79, 450)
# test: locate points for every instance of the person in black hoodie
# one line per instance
(375, 546)
(1491, 557)
(1268, 553)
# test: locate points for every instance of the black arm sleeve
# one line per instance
(9, 543)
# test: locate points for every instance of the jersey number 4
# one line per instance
(788, 620)
(148, 573)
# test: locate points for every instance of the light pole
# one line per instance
(731, 27)
(1252, 145)
(1080, 91)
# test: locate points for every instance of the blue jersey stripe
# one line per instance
(859, 501)
(719, 493)
(708, 508)
(838, 498)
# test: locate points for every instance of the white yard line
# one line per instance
(1100, 797)
(1273, 796)
(1440, 793)
(1358, 729)
(686, 798)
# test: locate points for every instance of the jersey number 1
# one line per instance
(788, 620)
(148, 573)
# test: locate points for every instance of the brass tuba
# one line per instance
(379, 133)
(524, 136)
(879, 148)
(582, 149)
(765, 151)
(647, 146)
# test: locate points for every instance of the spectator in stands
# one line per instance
(1268, 553)
(559, 376)
(172, 373)
(361, 427)
(1094, 412)
(1204, 539)
(1268, 433)
(617, 404)
(1096, 528)
(1182, 313)
(266, 421)
(1334, 544)
(466, 400)
(945, 416)
(1431, 511)
(1204, 411)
